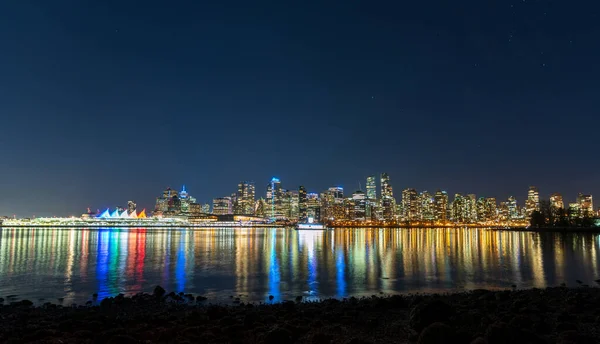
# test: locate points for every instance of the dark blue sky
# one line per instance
(107, 101)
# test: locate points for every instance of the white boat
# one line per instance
(310, 225)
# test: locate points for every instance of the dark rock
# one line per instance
(159, 291)
(25, 303)
(428, 313)
(278, 335)
(437, 333)
(321, 338)
(499, 333)
(521, 322)
(565, 326)
(121, 339)
(356, 340)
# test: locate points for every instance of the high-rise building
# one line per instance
(574, 211)
(513, 210)
(533, 201)
(313, 205)
(410, 205)
(459, 209)
(337, 193)
(425, 206)
(274, 201)
(586, 205)
(491, 212)
(360, 204)
(245, 198)
(481, 213)
(222, 206)
(131, 207)
(371, 188)
(471, 208)
(556, 201)
(206, 208)
(386, 187)
(260, 208)
(441, 205)
(302, 204)
(294, 199)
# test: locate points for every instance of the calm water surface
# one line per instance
(47, 264)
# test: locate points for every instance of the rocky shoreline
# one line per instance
(551, 315)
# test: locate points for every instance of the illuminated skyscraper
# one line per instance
(556, 201)
(294, 198)
(274, 201)
(533, 201)
(471, 208)
(302, 204)
(260, 208)
(386, 187)
(245, 198)
(459, 209)
(441, 205)
(513, 210)
(491, 212)
(313, 206)
(206, 208)
(337, 193)
(371, 188)
(586, 205)
(359, 201)
(425, 206)
(131, 207)
(222, 206)
(410, 205)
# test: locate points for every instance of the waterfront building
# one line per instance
(359, 206)
(302, 204)
(337, 193)
(425, 206)
(260, 208)
(481, 211)
(586, 205)
(245, 198)
(441, 205)
(458, 209)
(513, 210)
(274, 200)
(131, 206)
(222, 206)
(471, 208)
(410, 205)
(186, 202)
(503, 211)
(290, 205)
(206, 208)
(491, 212)
(386, 187)
(313, 204)
(574, 211)
(533, 201)
(371, 188)
(556, 201)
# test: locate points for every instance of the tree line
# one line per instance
(549, 216)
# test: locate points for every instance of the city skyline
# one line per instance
(249, 189)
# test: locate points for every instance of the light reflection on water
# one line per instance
(74, 263)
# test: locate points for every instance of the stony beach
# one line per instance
(551, 315)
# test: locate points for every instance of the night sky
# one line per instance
(106, 101)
